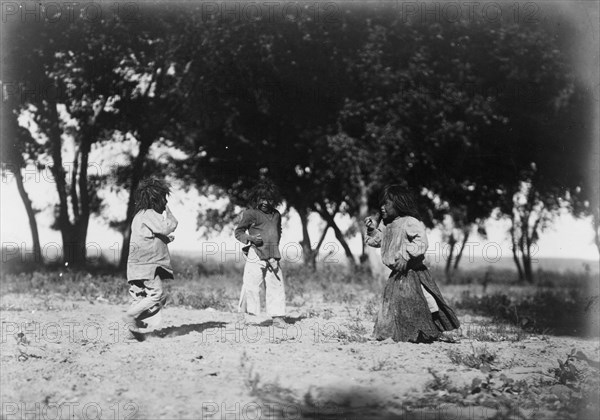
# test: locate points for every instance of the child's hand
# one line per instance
(370, 223)
(400, 265)
(256, 239)
(171, 237)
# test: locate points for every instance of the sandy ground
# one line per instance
(71, 360)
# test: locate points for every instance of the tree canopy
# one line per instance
(475, 116)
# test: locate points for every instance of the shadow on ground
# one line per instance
(185, 329)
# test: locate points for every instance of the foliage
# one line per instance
(542, 312)
(464, 112)
(479, 358)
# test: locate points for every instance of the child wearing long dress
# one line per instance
(413, 308)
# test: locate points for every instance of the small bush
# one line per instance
(543, 312)
(478, 358)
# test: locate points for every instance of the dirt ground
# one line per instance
(71, 360)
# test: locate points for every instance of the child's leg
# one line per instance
(154, 293)
(136, 291)
(250, 295)
(275, 295)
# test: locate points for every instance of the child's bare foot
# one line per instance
(130, 322)
(140, 324)
(134, 336)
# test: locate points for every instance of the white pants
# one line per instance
(256, 272)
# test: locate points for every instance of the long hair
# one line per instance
(402, 199)
(264, 189)
(151, 194)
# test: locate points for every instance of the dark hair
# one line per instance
(150, 194)
(402, 199)
(264, 189)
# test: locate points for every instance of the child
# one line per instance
(260, 230)
(413, 308)
(149, 261)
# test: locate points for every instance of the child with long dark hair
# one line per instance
(149, 261)
(413, 308)
(260, 230)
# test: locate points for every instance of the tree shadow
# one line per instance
(184, 329)
(338, 405)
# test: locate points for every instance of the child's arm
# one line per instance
(416, 244)
(279, 229)
(242, 228)
(413, 244)
(159, 226)
(374, 235)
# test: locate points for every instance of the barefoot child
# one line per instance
(149, 261)
(260, 231)
(413, 308)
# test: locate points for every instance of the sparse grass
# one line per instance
(578, 385)
(346, 336)
(281, 401)
(372, 307)
(381, 364)
(569, 391)
(438, 383)
(478, 358)
(519, 310)
(216, 299)
(490, 331)
(557, 312)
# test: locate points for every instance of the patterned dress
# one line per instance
(410, 296)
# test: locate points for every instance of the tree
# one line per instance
(269, 111)
(155, 102)
(16, 141)
(104, 85)
(464, 113)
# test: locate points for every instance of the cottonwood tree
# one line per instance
(66, 99)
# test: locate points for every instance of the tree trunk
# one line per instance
(136, 177)
(530, 240)
(338, 235)
(308, 255)
(515, 249)
(35, 236)
(525, 245)
(71, 248)
(596, 226)
(83, 218)
(451, 242)
(467, 232)
(363, 212)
